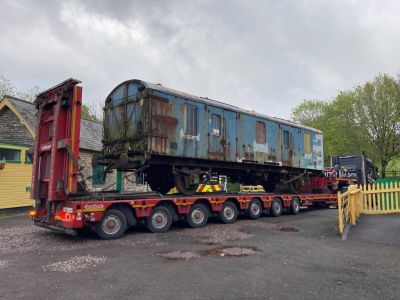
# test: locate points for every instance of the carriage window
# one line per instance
(307, 143)
(215, 125)
(260, 133)
(286, 139)
(190, 125)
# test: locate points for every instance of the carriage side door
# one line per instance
(286, 145)
(216, 133)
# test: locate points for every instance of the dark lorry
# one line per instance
(348, 169)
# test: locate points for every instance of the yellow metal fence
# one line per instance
(367, 199)
(251, 189)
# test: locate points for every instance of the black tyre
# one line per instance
(198, 216)
(160, 219)
(129, 215)
(228, 213)
(255, 208)
(295, 206)
(276, 207)
(112, 226)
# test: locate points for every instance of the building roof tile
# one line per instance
(91, 132)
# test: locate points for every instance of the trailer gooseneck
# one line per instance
(61, 207)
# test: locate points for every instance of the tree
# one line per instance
(366, 118)
(377, 113)
(6, 88)
(309, 111)
(29, 94)
(91, 112)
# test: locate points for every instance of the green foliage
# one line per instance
(233, 187)
(366, 118)
(309, 112)
(88, 114)
(377, 111)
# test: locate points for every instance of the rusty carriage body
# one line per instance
(174, 138)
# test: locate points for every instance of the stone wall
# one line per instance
(129, 183)
(11, 129)
(128, 179)
(85, 160)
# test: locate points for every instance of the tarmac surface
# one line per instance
(290, 257)
(383, 229)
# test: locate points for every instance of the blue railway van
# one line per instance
(175, 138)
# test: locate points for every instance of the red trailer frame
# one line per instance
(60, 207)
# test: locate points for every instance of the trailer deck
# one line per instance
(158, 212)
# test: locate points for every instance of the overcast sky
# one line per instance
(261, 55)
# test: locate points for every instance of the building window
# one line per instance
(98, 175)
(215, 125)
(190, 124)
(307, 143)
(28, 159)
(10, 155)
(286, 139)
(260, 133)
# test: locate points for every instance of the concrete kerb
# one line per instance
(12, 212)
(346, 232)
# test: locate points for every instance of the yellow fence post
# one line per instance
(352, 203)
(340, 212)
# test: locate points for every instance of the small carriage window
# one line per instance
(307, 143)
(260, 133)
(216, 125)
(190, 123)
(286, 139)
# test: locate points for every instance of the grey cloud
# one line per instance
(261, 55)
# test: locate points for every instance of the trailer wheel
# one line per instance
(254, 210)
(295, 206)
(112, 226)
(228, 213)
(198, 216)
(276, 207)
(160, 219)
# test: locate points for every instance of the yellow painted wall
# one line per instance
(15, 181)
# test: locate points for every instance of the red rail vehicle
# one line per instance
(60, 204)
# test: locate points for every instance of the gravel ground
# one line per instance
(175, 255)
(291, 257)
(4, 264)
(75, 264)
(217, 234)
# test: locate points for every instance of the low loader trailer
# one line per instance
(63, 204)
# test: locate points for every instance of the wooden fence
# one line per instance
(367, 199)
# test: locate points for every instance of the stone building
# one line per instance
(17, 133)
